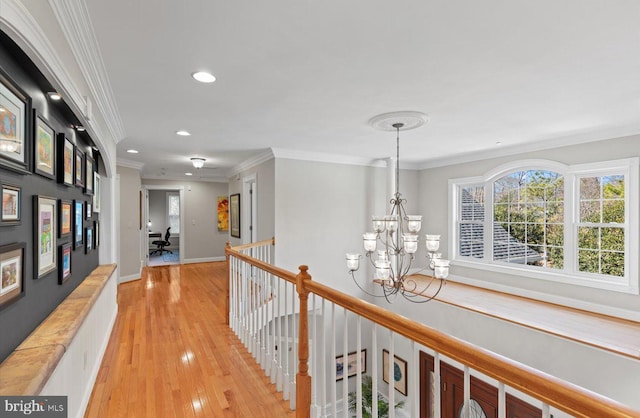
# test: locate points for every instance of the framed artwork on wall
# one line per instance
(44, 225)
(78, 216)
(45, 149)
(96, 234)
(66, 159)
(88, 236)
(223, 213)
(11, 205)
(11, 272)
(234, 215)
(399, 372)
(96, 192)
(64, 253)
(15, 141)
(350, 366)
(88, 178)
(64, 221)
(79, 167)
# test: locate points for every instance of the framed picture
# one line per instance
(44, 225)
(15, 141)
(399, 372)
(234, 214)
(88, 182)
(11, 272)
(89, 211)
(64, 221)
(64, 252)
(350, 367)
(78, 167)
(78, 232)
(223, 213)
(96, 234)
(45, 149)
(11, 205)
(66, 159)
(96, 192)
(88, 238)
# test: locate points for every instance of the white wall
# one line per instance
(433, 195)
(202, 240)
(265, 185)
(130, 264)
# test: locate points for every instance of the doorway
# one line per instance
(164, 236)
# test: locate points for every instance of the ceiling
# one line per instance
(495, 77)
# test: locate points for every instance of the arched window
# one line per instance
(547, 220)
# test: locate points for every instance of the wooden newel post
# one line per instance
(303, 380)
(227, 285)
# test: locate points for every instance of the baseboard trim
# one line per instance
(203, 260)
(130, 278)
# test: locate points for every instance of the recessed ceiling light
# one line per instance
(183, 133)
(53, 95)
(203, 77)
(132, 151)
(188, 174)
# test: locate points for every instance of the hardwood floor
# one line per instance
(172, 355)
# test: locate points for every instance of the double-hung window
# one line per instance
(173, 212)
(574, 224)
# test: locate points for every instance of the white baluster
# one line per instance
(437, 384)
(345, 358)
(323, 359)
(285, 351)
(374, 370)
(546, 412)
(467, 392)
(359, 366)
(502, 401)
(390, 376)
(294, 343)
(334, 395)
(413, 378)
(279, 385)
(313, 346)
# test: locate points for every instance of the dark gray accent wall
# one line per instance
(40, 296)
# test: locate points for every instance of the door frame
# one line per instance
(250, 209)
(144, 233)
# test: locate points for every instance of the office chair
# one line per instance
(160, 244)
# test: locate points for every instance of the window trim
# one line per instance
(628, 167)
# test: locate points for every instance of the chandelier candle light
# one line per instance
(392, 246)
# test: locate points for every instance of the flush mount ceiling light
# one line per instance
(53, 95)
(203, 77)
(183, 133)
(198, 162)
(132, 151)
(79, 128)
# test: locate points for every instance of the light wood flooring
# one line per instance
(172, 355)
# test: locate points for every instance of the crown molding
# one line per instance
(130, 164)
(326, 158)
(250, 163)
(24, 30)
(187, 179)
(525, 148)
(73, 17)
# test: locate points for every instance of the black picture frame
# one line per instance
(44, 148)
(18, 104)
(11, 210)
(234, 215)
(45, 219)
(64, 255)
(66, 160)
(88, 239)
(12, 263)
(89, 168)
(65, 218)
(78, 217)
(78, 166)
(351, 363)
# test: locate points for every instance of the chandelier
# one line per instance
(392, 245)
